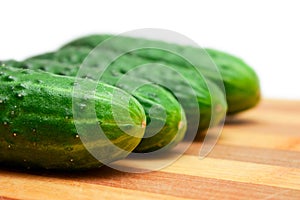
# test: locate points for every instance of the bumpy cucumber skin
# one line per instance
(174, 125)
(149, 95)
(240, 81)
(75, 55)
(37, 128)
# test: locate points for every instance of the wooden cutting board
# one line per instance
(257, 157)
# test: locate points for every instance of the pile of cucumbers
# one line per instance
(149, 110)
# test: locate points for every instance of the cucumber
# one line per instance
(37, 128)
(161, 130)
(240, 81)
(67, 61)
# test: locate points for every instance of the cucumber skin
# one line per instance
(37, 128)
(149, 95)
(240, 80)
(67, 61)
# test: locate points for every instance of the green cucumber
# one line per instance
(67, 61)
(37, 128)
(240, 81)
(154, 99)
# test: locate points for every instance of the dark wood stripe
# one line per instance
(5, 198)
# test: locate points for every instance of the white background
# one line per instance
(265, 34)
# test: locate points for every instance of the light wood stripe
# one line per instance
(270, 117)
(260, 140)
(273, 113)
(264, 125)
(36, 187)
(237, 171)
(277, 118)
(284, 158)
(279, 104)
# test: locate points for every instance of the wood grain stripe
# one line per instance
(277, 118)
(188, 186)
(270, 117)
(264, 128)
(260, 140)
(282, 158)
(237, 171)
(35, 187)
(171, 184)
(264, 125)
(6, 198)
(279, 105)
